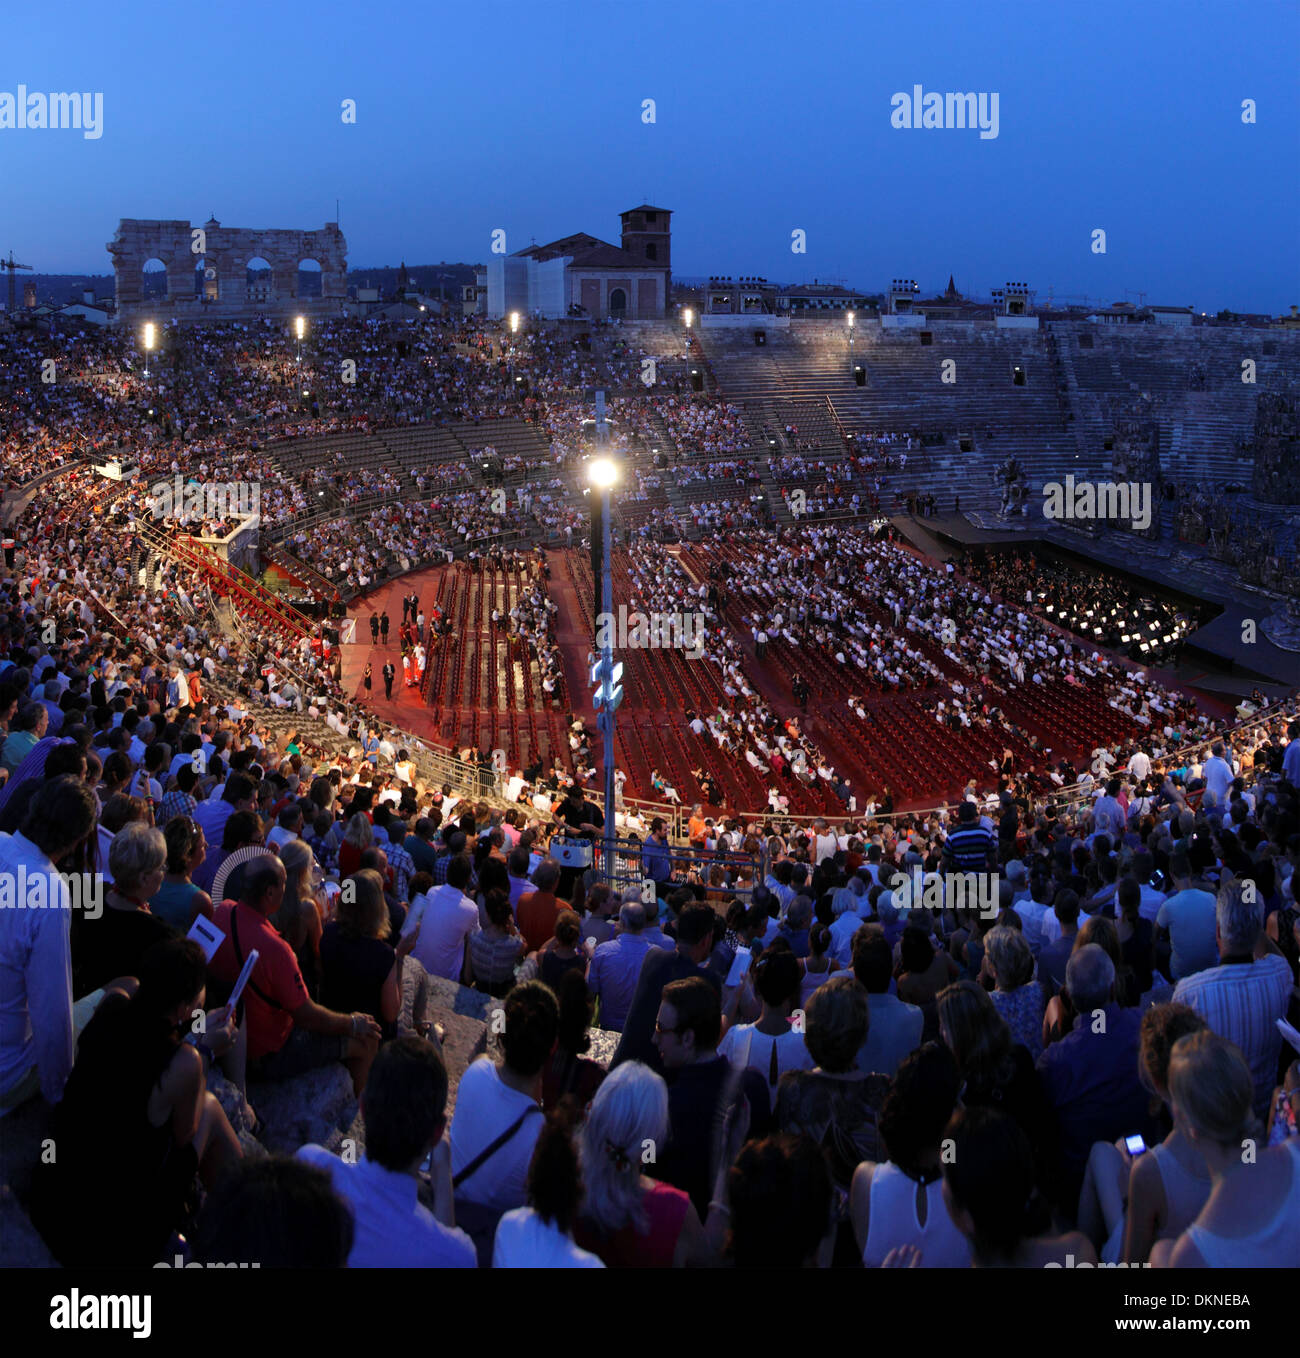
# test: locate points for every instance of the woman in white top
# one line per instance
(1252, 1216)
(773, 1044)
(540, 1235)
(1129, 1202)
(818, 967)
(900, 1202)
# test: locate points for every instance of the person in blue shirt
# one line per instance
(656, 854)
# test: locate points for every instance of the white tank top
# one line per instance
(892, 1221)
(1276, 1244)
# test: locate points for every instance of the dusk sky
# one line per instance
(771, 116)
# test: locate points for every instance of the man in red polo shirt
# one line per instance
(288, 1032)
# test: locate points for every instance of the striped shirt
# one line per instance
(969, 847)
(1242, 1002)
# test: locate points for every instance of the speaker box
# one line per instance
(860, 376)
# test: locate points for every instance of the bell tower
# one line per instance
(647, 235)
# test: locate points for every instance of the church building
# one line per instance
(580, 275)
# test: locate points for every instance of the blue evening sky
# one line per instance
(770, 116)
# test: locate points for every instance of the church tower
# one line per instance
(646, 234)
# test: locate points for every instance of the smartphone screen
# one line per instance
(1135, 1145)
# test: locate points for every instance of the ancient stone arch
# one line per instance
(225, 252)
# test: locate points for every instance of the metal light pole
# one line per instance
(609, 694)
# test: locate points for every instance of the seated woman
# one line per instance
(835, 1103)
(770, 1045)
(988, 1187)
(136, 1122)
(819, 966)
(357, 838)
(629, 1220)
(1128, 1202)
(540, 1235)
(782, 1205)
(900, 1202)
(1137, 939)
(360, 971)
(569, 1072)
(178, 901)
(997, 1071)
(300, 918)
(922, 973)
(1009, 962)
(1251, 1218)
(498, 947)
(563, 951)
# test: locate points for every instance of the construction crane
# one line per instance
(11, 266)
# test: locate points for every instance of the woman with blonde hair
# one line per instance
(1252, 1216)
(360, 972)
(357, 838)
(628, 1219)
(300, 920)
(1129, 1202)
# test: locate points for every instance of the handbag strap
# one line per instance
(491, 1149)
(239, 957)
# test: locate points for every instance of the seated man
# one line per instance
(288, 1032)
(1090, 1077)
(499, 1114)
(404, 1106)
(704, 1089)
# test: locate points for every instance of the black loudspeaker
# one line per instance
(860, 375)
(697, 380)
(760, 338)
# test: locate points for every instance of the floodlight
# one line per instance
(602, 473)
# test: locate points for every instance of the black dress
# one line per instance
(112, 945)
(119, 1186)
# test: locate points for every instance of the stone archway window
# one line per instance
(206, 284)
(153, 280)
(257, 279)
(311, 278)
(617, 302)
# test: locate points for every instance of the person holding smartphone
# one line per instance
(1134, 1195)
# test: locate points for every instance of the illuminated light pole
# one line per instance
(850, 320)
(300, 329)
(510, 366)
(148, 346)
(605, 675)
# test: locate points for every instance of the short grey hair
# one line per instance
(1240, 916)
(1010, 957)
(136, 851)
(631, 917)
(1090, 976)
